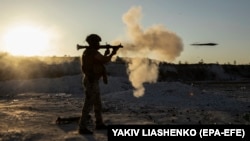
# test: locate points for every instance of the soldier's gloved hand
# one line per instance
(107, 52)
(114, 50)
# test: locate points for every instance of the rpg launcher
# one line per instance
(107, 46)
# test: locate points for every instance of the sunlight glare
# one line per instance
(26, 40)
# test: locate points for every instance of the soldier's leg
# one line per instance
(88, 103)
(98, 109)
(98, 114)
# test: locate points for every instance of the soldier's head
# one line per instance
(93, 40)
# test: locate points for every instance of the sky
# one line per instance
(54, 27)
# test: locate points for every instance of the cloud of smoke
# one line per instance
(146, 48)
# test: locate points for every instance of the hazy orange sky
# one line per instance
(54, 27)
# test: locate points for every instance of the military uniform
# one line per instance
(93, 69)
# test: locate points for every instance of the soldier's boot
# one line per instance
(83, 126)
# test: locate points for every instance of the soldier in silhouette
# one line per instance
(93, 69)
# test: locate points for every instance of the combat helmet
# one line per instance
(93, 38)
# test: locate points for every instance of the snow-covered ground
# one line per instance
(29, 108)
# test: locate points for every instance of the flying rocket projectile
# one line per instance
(204, 44)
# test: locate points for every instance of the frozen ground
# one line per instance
(29, 108)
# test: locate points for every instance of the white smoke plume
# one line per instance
(146, 48)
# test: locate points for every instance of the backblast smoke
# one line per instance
(146, 48)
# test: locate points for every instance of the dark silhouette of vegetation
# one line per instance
(51, 67)
(37, 67)
(203, 72)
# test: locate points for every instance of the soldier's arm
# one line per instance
(105, 59)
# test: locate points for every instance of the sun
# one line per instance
(26, 40)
